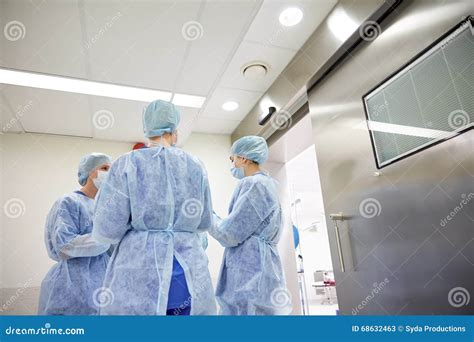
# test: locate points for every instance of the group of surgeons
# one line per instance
(132, 240)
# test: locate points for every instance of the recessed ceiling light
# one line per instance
(291, 16)
(230, 106)
(80, 86)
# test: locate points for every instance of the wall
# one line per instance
(396, 244)
(37, 169)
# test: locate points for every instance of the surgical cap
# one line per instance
(89, 163)
(251, 147)
(160, 117)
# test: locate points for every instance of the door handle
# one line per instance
(335, 218)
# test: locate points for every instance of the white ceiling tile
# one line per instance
(215, 126)
(145, 52)
(49, 111)
(52, 41)
(266, 28)
(245, 99)
(141, 43)
(220, 26)
(275, 58)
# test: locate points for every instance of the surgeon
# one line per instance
(155, 204)
(251, 281)
(72, 283)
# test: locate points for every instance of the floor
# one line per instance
(316, 308)
(323, 310)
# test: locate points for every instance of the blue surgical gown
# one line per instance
(154, 204)
(251, 280)
(178, 295)
(70, 285)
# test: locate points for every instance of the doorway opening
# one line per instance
(296, 155)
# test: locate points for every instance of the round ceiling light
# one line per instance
(255, 70)
(230, 106)
(291, 16)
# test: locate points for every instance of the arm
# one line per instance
(112, 209)
(244, 220)
(84, 245)
(206, 215)
(67, 239)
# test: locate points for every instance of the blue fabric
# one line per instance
(296, 236)
(179, 311)
(178, 294)
(153, 204)
(251, 147)
(251, 280)
(69, 286)
(204, 240)
(89, 163)
(160, 117)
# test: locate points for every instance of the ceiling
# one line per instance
(190, 47)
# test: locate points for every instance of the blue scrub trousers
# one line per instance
(179, 298)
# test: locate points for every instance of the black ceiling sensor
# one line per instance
(263, 119)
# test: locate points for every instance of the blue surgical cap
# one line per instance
(89, 163)
(251, 147)
(160, 117)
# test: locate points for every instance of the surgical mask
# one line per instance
(99, 179)
(238, 172)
